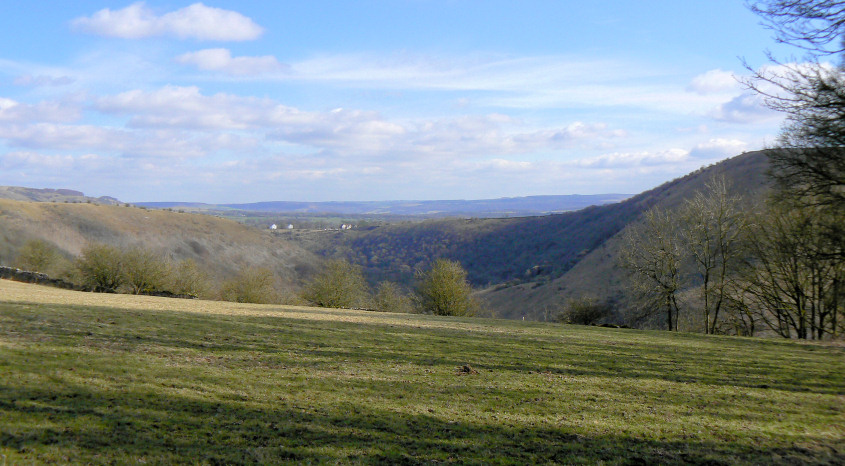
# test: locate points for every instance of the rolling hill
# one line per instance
(523, 266)
(19, 193)
(527, 262)
(218, 245)
(597, 274)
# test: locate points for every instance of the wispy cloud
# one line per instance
(12, 111)
(714, 82)
(634, 159)
(345, 131)
(222, 60)
(196, 21)
(43, 81)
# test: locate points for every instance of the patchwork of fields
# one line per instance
(93, 378)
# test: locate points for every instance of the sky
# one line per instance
(226, 101)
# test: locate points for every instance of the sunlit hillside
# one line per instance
(220, 246)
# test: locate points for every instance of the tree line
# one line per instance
(730, 267)
(780, 265)
(440, 289)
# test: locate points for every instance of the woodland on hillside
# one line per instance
(780, 265)
(754, 245)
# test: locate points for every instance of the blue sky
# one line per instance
(228, 101)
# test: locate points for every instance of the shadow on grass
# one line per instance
(680, 358)
(88, 424)
(127, 426)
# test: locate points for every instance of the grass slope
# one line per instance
(218, 245)
(113, 378)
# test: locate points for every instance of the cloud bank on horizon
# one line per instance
(373, 101)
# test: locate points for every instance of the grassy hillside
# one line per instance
(91, 378)
(220, 246)
(596, 273)
(18, 193)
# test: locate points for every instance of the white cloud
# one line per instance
(745, 108)
(633, 159)
(196, 21)
(187, 107)
(43, 81)
(169, 143)
(63, 137)
(718, 148)
(534, 82)
(23, 159)
(222, 60)
(14, 112)
(714, 82)
(345, 131)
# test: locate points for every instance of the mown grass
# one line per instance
(90, 378)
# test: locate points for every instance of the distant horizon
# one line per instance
(336, 201)
(233, 102)
(379, 200)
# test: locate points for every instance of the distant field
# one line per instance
(93, 378)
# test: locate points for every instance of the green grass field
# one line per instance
(87, 378)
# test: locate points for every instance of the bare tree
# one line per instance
(815, 26)
(794, 282)
(651, 253)
(713, 229)
(809, 162)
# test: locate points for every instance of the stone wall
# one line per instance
(18, 275)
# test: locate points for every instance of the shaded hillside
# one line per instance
(220, 246)
(523, 259)
(597, 273)
(492, 250)
(18, 193)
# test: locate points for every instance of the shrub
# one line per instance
(144, 271)
(100, 267)
(251, 285)
(390, 298)
(189, 279)
(339, 285)
(443, 290)
(37, 255)
(584, 311)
